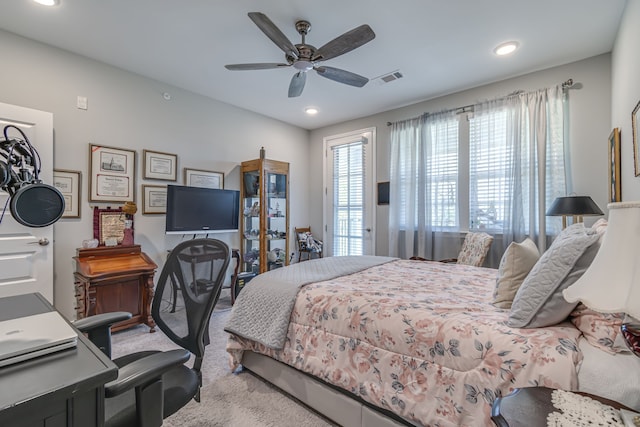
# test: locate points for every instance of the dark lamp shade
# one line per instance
(574, 205)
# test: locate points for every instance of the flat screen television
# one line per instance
(196, 210)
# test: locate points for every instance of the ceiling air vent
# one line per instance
(388, 78)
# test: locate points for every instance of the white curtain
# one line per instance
(516, 168)
(534, 163)
(423, 183)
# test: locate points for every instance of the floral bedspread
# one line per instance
(422, 340)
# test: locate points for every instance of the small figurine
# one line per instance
(255, 210)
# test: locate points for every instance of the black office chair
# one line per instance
(152, 385)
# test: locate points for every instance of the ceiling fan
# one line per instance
(304, 57)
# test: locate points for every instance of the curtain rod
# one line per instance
(568, 84)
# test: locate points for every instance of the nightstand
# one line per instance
(529, 407)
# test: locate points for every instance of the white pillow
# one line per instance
(515, 265)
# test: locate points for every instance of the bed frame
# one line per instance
(339, 406)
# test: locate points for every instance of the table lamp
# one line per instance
(612, 283)
(575, 206)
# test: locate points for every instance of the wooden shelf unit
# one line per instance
(265, 185)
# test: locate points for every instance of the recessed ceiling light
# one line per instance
(506, 48)
(311, 111)
(47, 2)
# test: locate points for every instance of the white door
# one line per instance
(26, 254)
(349, 196)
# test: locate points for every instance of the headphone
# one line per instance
(32, 203)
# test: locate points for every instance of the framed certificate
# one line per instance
(159, 165)
(154, 199)
(201, 178)
(112, 174)
(68, 183)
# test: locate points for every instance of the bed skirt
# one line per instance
(339, 406)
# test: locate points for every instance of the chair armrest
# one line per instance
(98, 328)
(101, 320)
(145, 370)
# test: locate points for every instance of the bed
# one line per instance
(397, 342)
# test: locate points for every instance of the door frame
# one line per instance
(370, 205)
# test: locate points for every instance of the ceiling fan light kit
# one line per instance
(304, 57)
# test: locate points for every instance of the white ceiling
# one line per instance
(440, 46)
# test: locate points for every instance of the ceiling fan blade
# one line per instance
(274, 33)
(345, 43)
(342, 76)
(297, 84)
(256, 66)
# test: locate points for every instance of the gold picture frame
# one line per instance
(615, 187)
(69, 183)
(203, 178)
(159, 165)
(636, 143)
(112, 174)
(154, 199)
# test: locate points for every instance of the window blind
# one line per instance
(442, 168)
(429, 178)
(348, 198)
(490, 169)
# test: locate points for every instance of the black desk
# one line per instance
(61, 389)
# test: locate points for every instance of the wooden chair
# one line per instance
(303, 247)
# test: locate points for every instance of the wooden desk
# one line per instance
(118, 278)
(63, 389)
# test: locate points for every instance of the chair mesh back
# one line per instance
(188, 288)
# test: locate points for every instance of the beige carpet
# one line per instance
(228, 399)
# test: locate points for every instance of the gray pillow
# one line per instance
(539, 301)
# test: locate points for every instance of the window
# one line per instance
(493, 170)
(481, 151)
(348, 198)
(432, 174)
(489, 171)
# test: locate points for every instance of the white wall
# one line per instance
(625, 92)
(590, 110)
(128, 111)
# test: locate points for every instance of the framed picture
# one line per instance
(160, 165)
(615, 193)
(200, 178)
(154, 199)
(68, 183)
(108, 224)
(636, 143)
(112, 174)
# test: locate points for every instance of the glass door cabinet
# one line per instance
(265, 215)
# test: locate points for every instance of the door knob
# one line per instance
(42, 242)
(368, 230)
